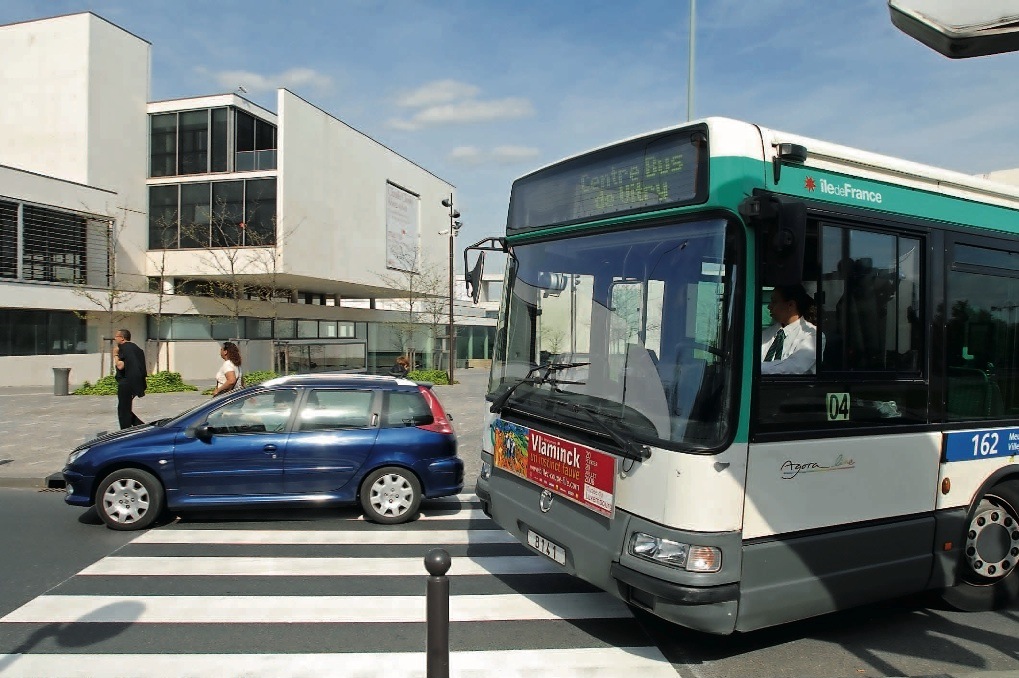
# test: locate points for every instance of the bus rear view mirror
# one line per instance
(473, 278)
(551, 283)
(782, 228)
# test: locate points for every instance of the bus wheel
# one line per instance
(987, 578)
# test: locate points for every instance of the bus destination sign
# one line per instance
(665, 171)
(577, 472)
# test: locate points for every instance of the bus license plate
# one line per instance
(549, 548)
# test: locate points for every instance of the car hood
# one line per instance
(110, 436)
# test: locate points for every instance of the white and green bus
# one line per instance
(635, 439)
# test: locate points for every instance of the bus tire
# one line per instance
(987, 579)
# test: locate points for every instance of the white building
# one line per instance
(197, 220)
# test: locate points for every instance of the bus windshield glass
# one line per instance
(633, 327)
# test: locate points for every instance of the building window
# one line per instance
(220, 141)
(53, 245)
(163, 145)
(8, 240)
(195, 215)
(213, 214)
(199, 142)
(24, 332)
(193, 140)
(255, 145)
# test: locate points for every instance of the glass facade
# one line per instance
(30, 332)
(213, 214)
(198, 142)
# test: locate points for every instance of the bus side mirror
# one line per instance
(783, 228)
(473, 278)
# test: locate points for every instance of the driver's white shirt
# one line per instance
(799, 349)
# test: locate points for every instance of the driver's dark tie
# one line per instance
(775, 350)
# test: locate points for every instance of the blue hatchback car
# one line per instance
(309, 439)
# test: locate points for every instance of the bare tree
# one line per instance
(105, 284)
(267, 263)
(168, 235)
(228, 265)
(422, 286)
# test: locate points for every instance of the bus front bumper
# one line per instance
(711, 609)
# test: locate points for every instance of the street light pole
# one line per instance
(454, 226)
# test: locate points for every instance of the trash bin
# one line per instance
(61, 377)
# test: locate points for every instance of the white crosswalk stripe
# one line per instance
(195, 600)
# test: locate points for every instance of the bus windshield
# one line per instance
(633, 328)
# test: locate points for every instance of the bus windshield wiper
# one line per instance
(628, 448)
(544, 378)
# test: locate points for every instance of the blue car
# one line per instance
(308, 440)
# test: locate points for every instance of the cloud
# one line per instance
(444, 102)
(470, 155)
(437, 92)
(500, 155)
(467, 111)
(513, 154)
(295, 78)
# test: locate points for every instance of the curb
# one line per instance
(53, 481)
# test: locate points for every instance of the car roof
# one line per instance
(340, 379)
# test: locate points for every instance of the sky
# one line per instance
(480, 92)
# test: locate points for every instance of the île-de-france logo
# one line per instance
(809, 184)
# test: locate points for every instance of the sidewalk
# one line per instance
(39, 429)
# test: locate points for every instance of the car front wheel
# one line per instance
(987, 577)
(390, 495)
(129, 499)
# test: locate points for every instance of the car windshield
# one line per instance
(631, 326)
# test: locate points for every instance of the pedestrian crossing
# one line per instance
(342, 598)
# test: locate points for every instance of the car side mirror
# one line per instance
(203, 432)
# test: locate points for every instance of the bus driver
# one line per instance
(789, 345)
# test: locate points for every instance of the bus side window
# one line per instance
(982, 335)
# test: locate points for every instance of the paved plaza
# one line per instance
(38, 429)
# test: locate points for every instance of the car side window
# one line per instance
(405, 408)
(265, 412)
(327, 410)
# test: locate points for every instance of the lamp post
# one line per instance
(454, 226)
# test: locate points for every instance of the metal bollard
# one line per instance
(437, 562)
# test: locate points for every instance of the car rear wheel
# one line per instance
(987, 577)
(129, 499)
(390, 495)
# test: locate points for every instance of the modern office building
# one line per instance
(203, 219)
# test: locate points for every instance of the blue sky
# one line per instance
(480, 92)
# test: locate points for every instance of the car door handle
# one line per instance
(269, 448)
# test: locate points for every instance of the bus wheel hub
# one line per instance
(992, 542)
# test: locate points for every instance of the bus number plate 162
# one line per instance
(981, 444)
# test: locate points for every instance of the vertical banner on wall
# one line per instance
(402, 228)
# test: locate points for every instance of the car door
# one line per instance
(334, 433)
(244, 451)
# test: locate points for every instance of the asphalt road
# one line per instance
(47, 542)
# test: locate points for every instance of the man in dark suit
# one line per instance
(129, 360)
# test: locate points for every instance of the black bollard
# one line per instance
(437, 563)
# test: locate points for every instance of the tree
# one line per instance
(267, 262)
(104, 285)
(168, 234)
(422, 284)
(227, 265)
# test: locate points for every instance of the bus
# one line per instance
(637, 436)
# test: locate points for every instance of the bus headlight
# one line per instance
(486, 470)
(691, 557)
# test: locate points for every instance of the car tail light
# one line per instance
(441, 423)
